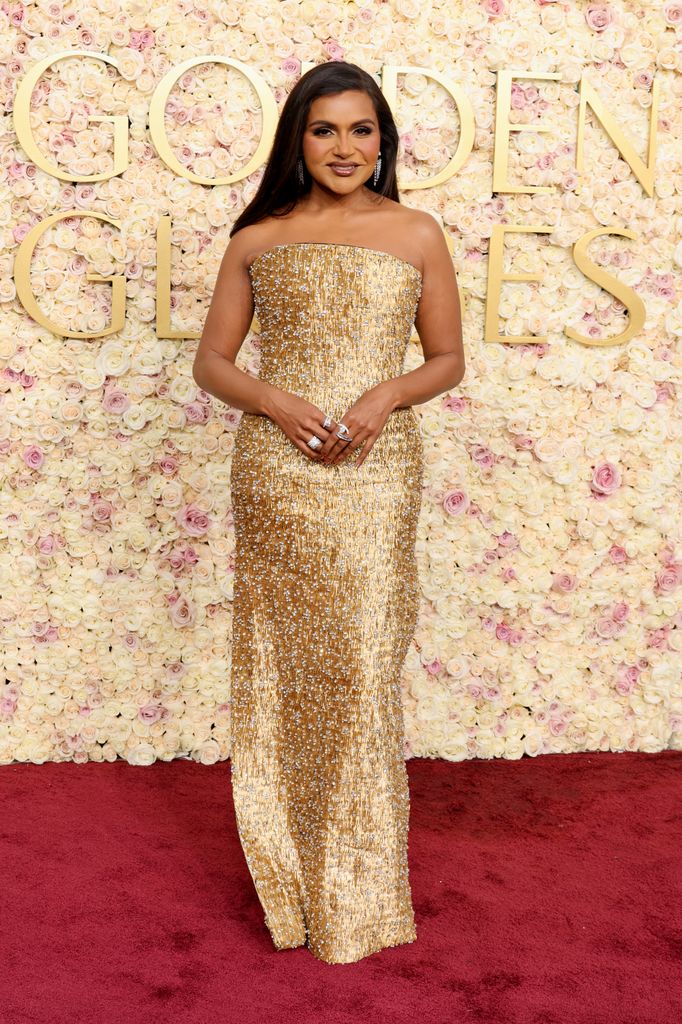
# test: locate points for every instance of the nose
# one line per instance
(343, 148)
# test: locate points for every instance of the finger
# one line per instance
(329, 438)
(366, 450)
(342, 453)
(315, 429)
(312, 453)
(351, 443)
(303, 439)
(333, 445)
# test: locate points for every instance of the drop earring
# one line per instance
(377, 168)
(299, 168)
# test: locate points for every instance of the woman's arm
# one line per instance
(439, 325)
(227, 324)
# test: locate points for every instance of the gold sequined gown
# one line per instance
(325, 604)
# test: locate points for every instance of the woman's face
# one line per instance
(341, 129)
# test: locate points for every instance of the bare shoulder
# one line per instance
(248, 242)
(424, 236)
(426, 231)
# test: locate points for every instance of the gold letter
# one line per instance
(22, 279)
(495, 278)
(503, 127)
(163, 283)
(626, 295)
(158, 105)
(643, 172)
(22, 123)
(466, 119)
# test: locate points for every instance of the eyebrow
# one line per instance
(365, 120)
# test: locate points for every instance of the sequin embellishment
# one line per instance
(325, 605)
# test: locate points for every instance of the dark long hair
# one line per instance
(279, 189)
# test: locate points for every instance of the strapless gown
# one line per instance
(325, 604)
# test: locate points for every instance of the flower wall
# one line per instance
(549, 540)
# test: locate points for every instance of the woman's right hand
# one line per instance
(299, 419)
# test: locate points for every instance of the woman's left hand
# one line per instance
(365, 420)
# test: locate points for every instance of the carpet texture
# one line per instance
(546, 891)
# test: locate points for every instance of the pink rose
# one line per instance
(141, 40)
(518, 97)
(176, 560)
(455, 502)
(43, 632)
(494, 8)
(667, 553)
(19, 232)
(482, 456)
(632, 673)
(605, 627)
(672, 12)
(433, 667)
(101, 510)
(643, 79)
(150, 713)
(195, 412)
(617, 554)
(454, 403)
(34, 456)
(564, 582)
(658, 639)
(181, 613)
(620, 611)
(46, 545)
(624, 685)
(168, 465)
(669, 578)
(333, 49)
(598, 16)
(606, 478)
(523, 443)
(503, 632)
(193, 520)
(115, 401)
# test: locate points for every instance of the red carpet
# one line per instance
(546, 891)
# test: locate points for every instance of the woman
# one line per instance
(326, 488)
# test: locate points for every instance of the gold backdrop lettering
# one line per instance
(503, 127)
(622, 292)
(466, 119)
(496, 275)
(643, 171)
(22, 121)
(158, 106)
(25, 294)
